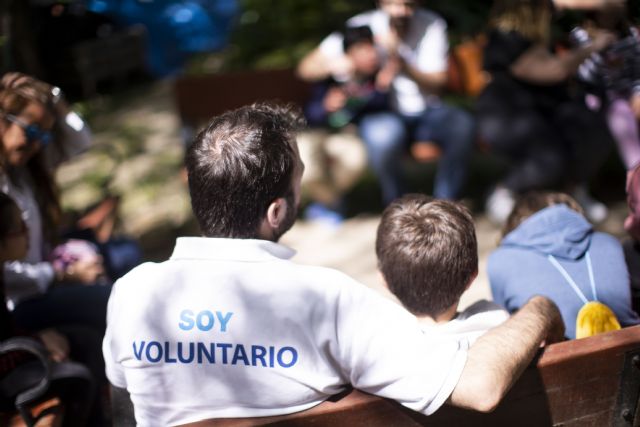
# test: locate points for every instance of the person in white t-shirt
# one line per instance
(230, 327)
(415, 45)
(428, 255)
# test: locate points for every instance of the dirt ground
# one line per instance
(138, 155)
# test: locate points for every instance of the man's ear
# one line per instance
(276, 212)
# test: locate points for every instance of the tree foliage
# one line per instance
(277, 33)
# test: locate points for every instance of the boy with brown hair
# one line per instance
(428, 255)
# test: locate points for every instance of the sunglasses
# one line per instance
(33, 132)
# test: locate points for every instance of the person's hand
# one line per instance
(602, 39)
(550, 313)
(634, 101)
(334, 100)
(390, 42)
(85, 271)
(342, 68)
(56, 344)
(388, 72)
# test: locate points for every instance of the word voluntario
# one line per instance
(221, 353)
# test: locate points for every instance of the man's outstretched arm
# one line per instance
(496, 359)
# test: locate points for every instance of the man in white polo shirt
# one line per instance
(230, 327)
(414, 42)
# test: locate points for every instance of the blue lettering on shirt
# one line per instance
(181, 357)
(167, 358)
(201, 352)
(234, 354)
(138, 353)
(223, 320)
(224, 347)
(154, 359)
(204, 320)
(210, 355)
(294, 357)
(187, 320)
(240, 354)
(257, 353)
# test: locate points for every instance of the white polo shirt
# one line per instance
(232, 328)
(425, 47)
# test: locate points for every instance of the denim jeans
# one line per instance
(387, 136)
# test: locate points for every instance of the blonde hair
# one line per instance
(529, 18)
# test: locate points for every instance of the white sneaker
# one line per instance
(499, 205)
(595, 211)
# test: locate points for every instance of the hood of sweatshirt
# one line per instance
(556, 230)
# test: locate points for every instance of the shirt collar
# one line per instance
(246, 250)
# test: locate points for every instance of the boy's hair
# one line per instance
(534, 201)
(427, 252)
(240, 163)
(353, 35)
(7, 208)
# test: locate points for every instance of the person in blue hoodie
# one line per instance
(549, 248)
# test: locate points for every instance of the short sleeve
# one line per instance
(434, 48)
(331, 46)
(113, 369)
(388, 355)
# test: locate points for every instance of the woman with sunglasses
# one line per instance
(37, 132)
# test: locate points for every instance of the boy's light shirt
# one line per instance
(469, 324)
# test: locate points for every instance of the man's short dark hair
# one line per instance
(240, 163)
(353, 35)
(427, 252)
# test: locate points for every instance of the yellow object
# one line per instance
(595, 318)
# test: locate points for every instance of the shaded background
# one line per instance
(116, 61)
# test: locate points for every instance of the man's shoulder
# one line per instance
(428, 18)
(365, 18)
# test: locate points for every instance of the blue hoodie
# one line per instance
(520, 269)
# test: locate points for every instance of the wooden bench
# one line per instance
(590, 382)
(200, 97)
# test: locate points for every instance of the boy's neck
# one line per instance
(443, 317)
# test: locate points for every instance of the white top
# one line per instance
(425, 47)
(471, 323)
(232, 328)
(33, 275)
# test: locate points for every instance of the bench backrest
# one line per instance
(198, 98)
(589, 382)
